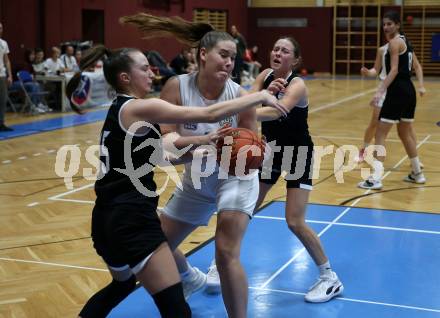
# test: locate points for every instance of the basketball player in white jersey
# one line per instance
(232, 197)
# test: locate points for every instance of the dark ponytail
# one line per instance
(193, 34)
(186, 32)
(395, 17)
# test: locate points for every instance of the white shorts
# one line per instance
(381, 100)
(196, 206)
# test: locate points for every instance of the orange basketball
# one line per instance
(246, 152)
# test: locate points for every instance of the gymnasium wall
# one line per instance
(315, 39)
(20, 25)
(26, 26)
(44, 23)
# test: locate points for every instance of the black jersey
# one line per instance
(405, 61)
(291, 130)
(400, 101)
(114, 182)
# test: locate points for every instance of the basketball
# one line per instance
(246, 152)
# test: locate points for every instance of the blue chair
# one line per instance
(24, 76)
(31, 91)
(13, 99)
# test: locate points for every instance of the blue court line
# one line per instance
(383, 271)
(45, 125)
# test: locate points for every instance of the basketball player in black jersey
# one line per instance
(379, 70)
(292, 132)
(126, 230)
(281, 79)
(232, 197)
(399, 104)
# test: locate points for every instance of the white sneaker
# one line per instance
(325, 289)
(415, 178)
(36, 110)
(194, 283)
(370, 183)
(213, 280)
(45, 107)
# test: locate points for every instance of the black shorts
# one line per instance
(299, 170)
(126, 229)
(400, 102)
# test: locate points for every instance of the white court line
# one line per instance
(358, 138)
(298, 254)
(403, 229)
(159, 208)
(391, 228)
(55, 197)
(52, 264)
(13, 301)
(6, 161)
(310, 111)
(353, 300)
(406, 156)
(33, 204)
(282, 268)
(346, 99)
(74, 200)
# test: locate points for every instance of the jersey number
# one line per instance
(104, 156)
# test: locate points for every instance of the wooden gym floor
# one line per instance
(48, 267)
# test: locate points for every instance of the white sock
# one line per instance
(212, 263)
(325, 269)
(188, 274)
(415, 164)
(377, 170)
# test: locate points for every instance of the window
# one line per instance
(217, 18)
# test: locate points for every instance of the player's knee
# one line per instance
(295, 224)
(171, 302)
(225, 254)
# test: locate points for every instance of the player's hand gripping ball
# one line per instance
(246, 151)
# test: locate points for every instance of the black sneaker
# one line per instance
(5, 128)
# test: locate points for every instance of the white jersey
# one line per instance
(191, 96)
(383, 71)
(4, 49)
(202, 194)
(52, 67)
(69, 63)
